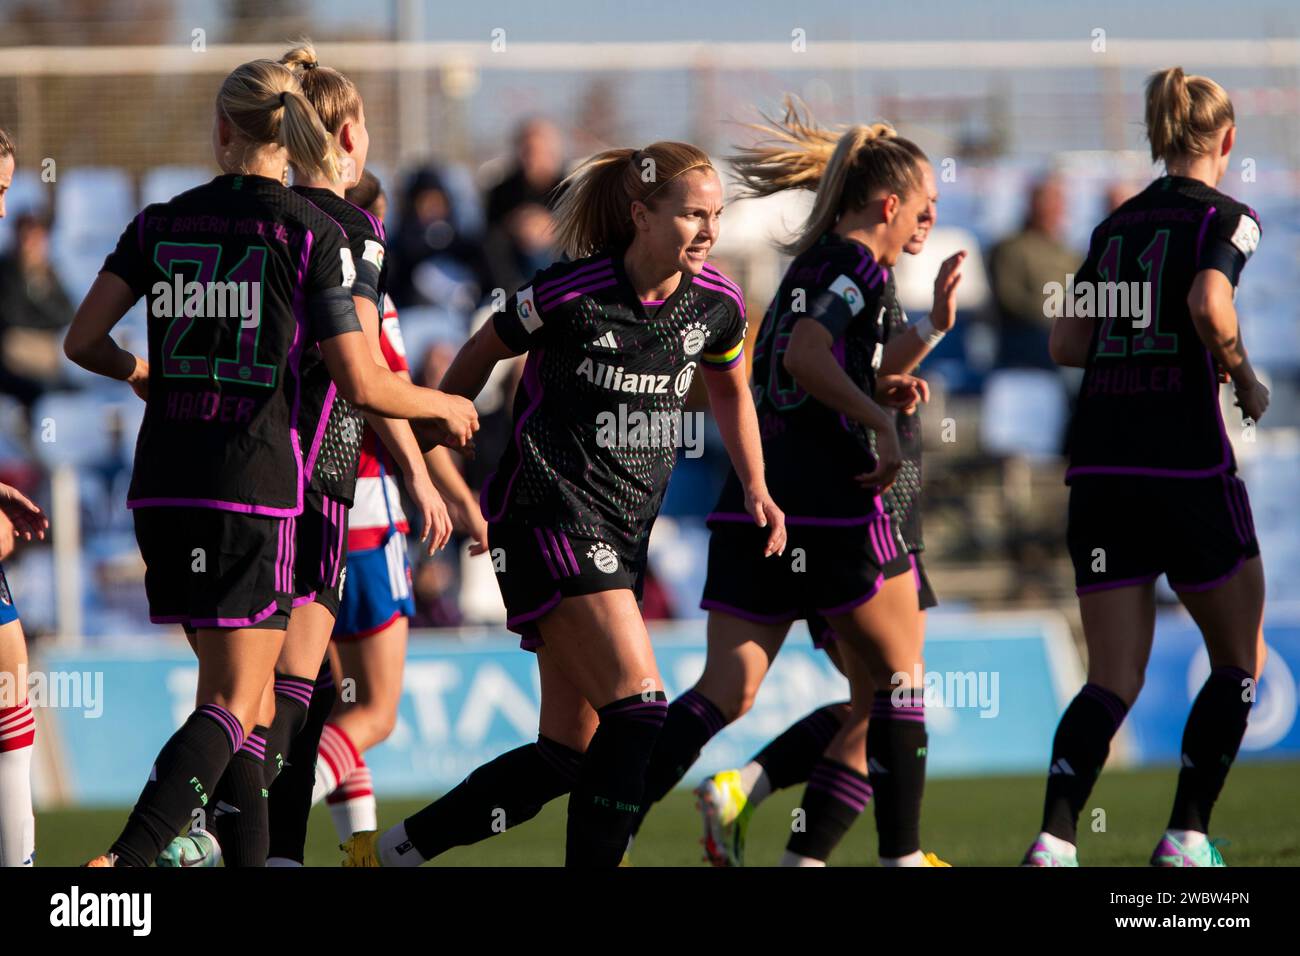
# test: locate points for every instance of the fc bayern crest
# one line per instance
(603, 556)
(693, 338)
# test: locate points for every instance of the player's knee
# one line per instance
(737, 701)
(576, 737)
(382, 723)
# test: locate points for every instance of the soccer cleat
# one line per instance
(1040, 854)
(932, 859)
(108, 859)
(726, 811)
(1170, 852)
(196, 848)
(361, 849)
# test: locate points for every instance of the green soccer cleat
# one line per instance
(196, 848)
(1048, 853)
(1171, 852)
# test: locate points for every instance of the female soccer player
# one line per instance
(331, 443)
(369, 639)
(319, 577)
(816, 366)
(826, 749)
(613, 339)
(1153, 485)
(242, 277)
(19, 518)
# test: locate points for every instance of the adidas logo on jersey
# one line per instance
(606, 341)
(1061, 768)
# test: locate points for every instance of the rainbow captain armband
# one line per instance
(720, 361)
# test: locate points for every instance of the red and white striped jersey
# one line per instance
(376, 471)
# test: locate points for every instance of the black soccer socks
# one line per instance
(1079, 751)
(607, 799)
(1211, 738)
(497, 796)
(183, 777)
(896, 751)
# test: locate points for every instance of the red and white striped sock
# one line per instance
(335, 759)
(17, 823)
(352, 805)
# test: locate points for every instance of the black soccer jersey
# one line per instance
(1149, 402)
(903, 499)
(333, 426)
(605, 380)
(812, 453)
(241, 276)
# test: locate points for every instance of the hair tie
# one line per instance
(686, 169)
(282, 96)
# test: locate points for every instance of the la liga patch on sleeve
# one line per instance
(848, 290)
(1246, 235)
(527, 310)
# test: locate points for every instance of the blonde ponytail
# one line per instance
(1184, 114)
(846, 167)
(334, 96)
(265, 105)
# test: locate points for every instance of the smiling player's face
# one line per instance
(684, 224)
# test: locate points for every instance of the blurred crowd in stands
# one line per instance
(458, 242)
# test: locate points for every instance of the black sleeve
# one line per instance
(1233, 239)
(331, 312)
(127, 261)
(368, 255)
(843, 300)
(330, 275)
(521, 325)
(726, 345)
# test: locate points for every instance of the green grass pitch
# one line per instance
(969, 822)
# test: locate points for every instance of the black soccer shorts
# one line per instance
(1130, 530)
(536, 568)
(825, 570)
(207, 568)
(321, 552)
(823, 635)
